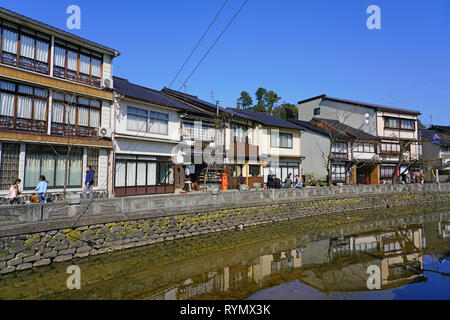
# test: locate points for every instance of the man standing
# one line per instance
(89, 183)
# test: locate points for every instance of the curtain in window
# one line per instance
(7, 104)
(24, 107)
(41, 92)
(42, 49)
(96, 68)
(5, 85)
(83, 116)
(71, 112)
(151, 173)
(25, 89)
(32, 169)
(274, 139)
(95, 118)
(58, 112)
(85, 63)
(131, 174)
(72, 60)
(120, 173)
(40, 109)
(141, 173)
(75, 173)
(60, 169)
(60, 57)
(27, 47)
(10, 41)
(48, 168)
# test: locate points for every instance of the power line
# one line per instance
(212, 46)
(198, 43)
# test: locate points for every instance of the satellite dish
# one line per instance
(367, 116)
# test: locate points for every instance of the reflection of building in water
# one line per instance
(444, 229)
(330, 265)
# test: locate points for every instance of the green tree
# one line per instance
(286, 111)
(271, 99)
(245, 100)
(261, 94)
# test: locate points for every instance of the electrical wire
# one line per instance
(212, 46)
(198, 43)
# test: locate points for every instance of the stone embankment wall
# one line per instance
(35, 249)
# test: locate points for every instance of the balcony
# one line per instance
(243, 150)
(30, 125)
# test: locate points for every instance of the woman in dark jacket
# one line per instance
(270, 182)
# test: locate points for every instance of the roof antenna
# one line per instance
(212, 96)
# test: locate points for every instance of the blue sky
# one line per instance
(297, 48)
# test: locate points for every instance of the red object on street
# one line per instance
(224, 182)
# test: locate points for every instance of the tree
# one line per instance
(271, 98)
(286, 111)
(261, 94)
(245, 100)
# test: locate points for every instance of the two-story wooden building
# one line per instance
(55, 105)
(396, 127)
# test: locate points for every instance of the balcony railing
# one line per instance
(70, 130)
(339, 155)
(23, 124)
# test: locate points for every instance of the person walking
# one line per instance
(89, 183)
(14, 192)
(270, 181)
(42, 188)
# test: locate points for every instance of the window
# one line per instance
(77, 64)
(51, 162)
(9, 170)
(364, 147)
(281, 140)
(92, 160)
(159, 123)
(134, 171)
(390, 148)
(387, 172)
(445, 149)
(73, 115)
(340, 150)
(147, 121)
(254, 171)
(33, 51)
(23, 107)
(203, 132)
(338, 172)
(317, 111)
(397, 123)
(238, 133)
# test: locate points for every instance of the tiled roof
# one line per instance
(342, 131)
(134, 91)
(355, 133)
(265, 119)
(365, 104)
(307, 125)
(441, 128)
(431, 135)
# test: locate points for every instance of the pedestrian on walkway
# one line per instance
(89, 183)
(14, 192)
(42, 188)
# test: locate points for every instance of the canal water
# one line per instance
(401, 254)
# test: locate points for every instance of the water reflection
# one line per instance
(274, 262)
(331, 265)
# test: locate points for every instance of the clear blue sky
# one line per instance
(297, 48)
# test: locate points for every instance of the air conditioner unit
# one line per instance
(376, 157)
(105, 133)
(107, 83)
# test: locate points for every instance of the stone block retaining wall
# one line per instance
(32, 250)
